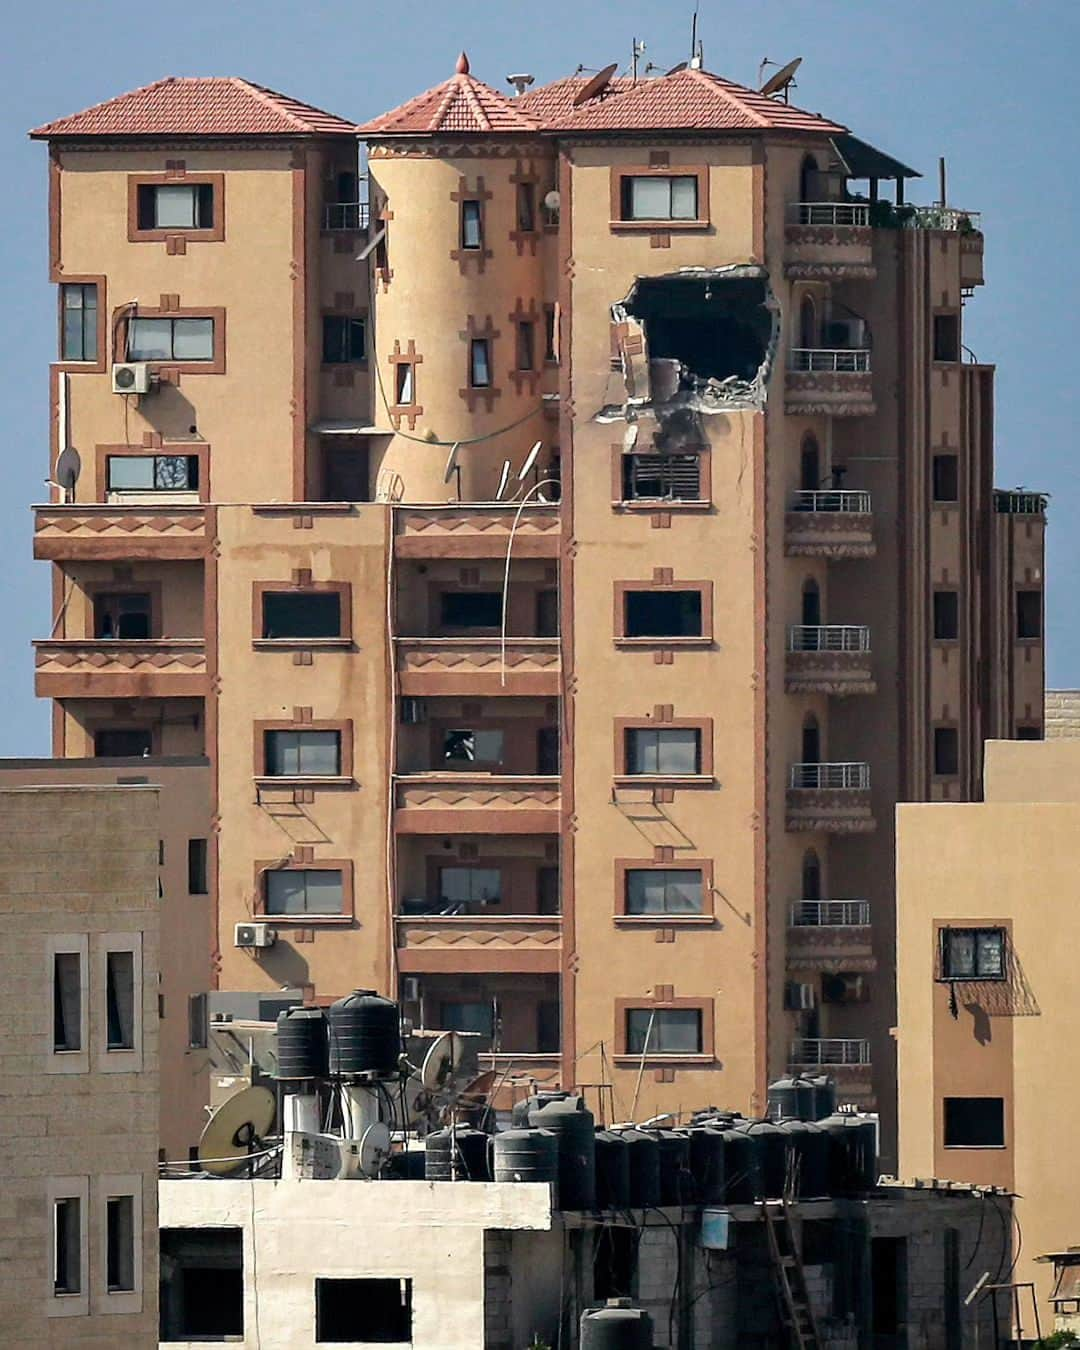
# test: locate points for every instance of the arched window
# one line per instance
(810, 465)
(809, 189)
(808, 326)
(811, 604)
(811, 877)
(811, 741)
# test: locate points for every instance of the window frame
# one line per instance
(198, 866)
(465, 217)
(469, 865)
(945, 775)
(703, 1006)
(476, 344)
(934, 616)
(76, 1060)
(100, 363)
(988, 1098)
(62, 1303)
(343, 920)
(1028, 638)
(120, 1059)
(658, 225)
(215, 314)
(261, 588)
(349, 320)
(951, 316)
(946, 931)
(115, 1187)
(623, 868)
(621, 502)
(85, 362)
(344, 729)
(199, 451)
(622, 588)
(703, 725)
(214, 234)
(198, 1018)
(525, 346)
(942, 457)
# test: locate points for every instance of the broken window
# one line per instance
(526, 208)
(197, 870)
(470, 885)
(121, 615)
(404, 383)
(1028, 614)
(663, 890)
(294, 891)
(663, 1031)
(946, 476)
(973, 953)
(470, 609)
(662, 614)
(67, 1245)
(473, 747)
(480, 363)
(946, 615)
(369, 1311)
(663, 750)
(659, 197)
(946, 752)
(120, 1000)
(526, 345)
(648, 477)
(301, 614)
(946, 337)
(120, 1243)
(67, 1001)
(974, 1122)
(202, 1284)
(343, 339)
(302, 754)
(123, 742)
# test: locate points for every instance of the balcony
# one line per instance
(129, 532)
(120, 668)
(832, 798)
(463, 803)
(345, 217)
(831, 524)
(481, 530)
(831, 381)
(828, 659)
(479, 943)
(1020, 503)
(470, 667)
(829, 241)
(829, 1052)
(830, 935)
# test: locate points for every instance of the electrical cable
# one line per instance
(677, 1286)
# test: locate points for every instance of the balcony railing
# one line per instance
(829, 213)
(830, 1051)
(830, 914)
(941, 218)
(1019, 503)
(832, 499)
(345, 216)
(833, 637)
(850, 777)
(831, 360)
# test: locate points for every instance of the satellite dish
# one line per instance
(236, 1128)
(68, 467)
(782, 78)
(552, 200)
(675, 69)
(530, 460)
(374, 1149)
(451, 462)
(441, 1061)
(596, 85)
(504, 478)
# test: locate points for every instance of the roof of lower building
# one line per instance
(460, 104)
(183, 105)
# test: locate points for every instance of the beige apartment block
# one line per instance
(585, 734)
(1062, 713)
(987, 935)
(79, 960)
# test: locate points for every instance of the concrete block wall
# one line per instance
(1062, 714)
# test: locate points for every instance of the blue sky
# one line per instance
(990, 84)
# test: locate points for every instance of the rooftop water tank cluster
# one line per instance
(358, 1036)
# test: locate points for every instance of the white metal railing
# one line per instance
(829, 1051)
(832, 637)
(941, 218)
(345, 216)
(829, 213)
(850, 776)
(837, 360)
(830, 914)
(833, 499)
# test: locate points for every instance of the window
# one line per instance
(1028, 615)
(371, 1311)
(473, 747)
(973, 953)
(198, 1022)
(470, 609)
(123, 742)
(946, 615)
(663, 750)
(298, 890)
(343, 339)
(197, 867)
(547, 613)
(302, 754)
(526, 345)
(946, 476)
(120, 1000)
(548, 1030)
(170, 340)
(662, 614)
(660, 197)
(120, 1243)
(655, 890)
(79, 321)
(67, 1245)
(153, 473)
(123, 614)
(946, 337)
(550, 352)
(404, 383)
(202, 1284)
(67, 1002)
(470, 885)
(478, 1017)
(1029, 732)
(472, 225)
(181, 206)
(663, 1031)
(946, 752)
(974, 1122)
(526, 208)
(661, 477)
(480, 363)
(301, 614)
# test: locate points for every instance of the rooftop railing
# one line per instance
(830, 1050)
(833, 637)
(829, 213)
(940, 218)
(830, 914)
(849, 776)
(833, 360)
(1019, 503)
(832, 499)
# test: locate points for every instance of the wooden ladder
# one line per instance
(795, 1309)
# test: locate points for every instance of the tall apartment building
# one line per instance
(435, 673)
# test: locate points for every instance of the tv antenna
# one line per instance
(235, 1131)
(453, 468)
(504, 478)
(697, 51)
(596, 86)
(782, 82)
(637, 49)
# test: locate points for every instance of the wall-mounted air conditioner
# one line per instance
(254, 935)
(130, 377)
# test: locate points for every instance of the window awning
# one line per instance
(860, 160)
(347, 427)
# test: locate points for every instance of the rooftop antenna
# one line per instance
(697, 53)
(637, 49)
(453, 468)
(504, 478)
(783, 81)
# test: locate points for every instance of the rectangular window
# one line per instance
(946, 475)
(480, 363)
(479, 1017)
(946, 615)
(67, 1245)
(170, 340)
(302, 754)
(974, 1122)
(472, 225)
(973, 953)
(79, 321)
(298, 890)
(547, 613)
(372, 1311)
(656, 890)
(661, 477)
(660, 197)
(198, 867)
(123, 743)
(470, 885)
(946, 337)
(122, 614)
(662, 614)
(153, 473)
(946, 752)
(473, 747)
(198, 1022)
(202, 1284)
(404, 384)
(526, 345)
(120, 1000)
(67, 1002)
(168, 206)
(663, 1031)
(526, 208)
(550, 352)
(663, 750)
(470, 609)
(1028, 614)
(301, 614)
(548, 1030)
(120, 1243)
(343, 340)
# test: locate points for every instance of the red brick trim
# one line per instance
(473, 394)
(404, 411)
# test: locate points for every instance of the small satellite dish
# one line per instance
(374, 1149)
(782, 78)
(597, 85)
(504, 478)
(675, 69)
(440, 1063)
(552, 200)
(451, 462)
(530, 460)
(68, 467)
(236, 1128)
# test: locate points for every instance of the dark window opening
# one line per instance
(663, 1031)
(371, 1311)
(946, 752)
(153, 473)
(974, 1122)
(67, 1245)
(667, 750)
(120, 1000)
(1028, 614)
(472, 225)
(659, 197)
(526, 208)
(123, 743)
(648, 477)
(346, 477)
(470, 609)
(615, 1262)
(662, 614)
(811, 877)
(463, 746)
(79, 321)
(811, 742)
(661, 890)
(404, 384)
(548, 752)
(301, 614)
(973, 953)
(946, 476)
(202, 1284)
(120, 1243)
(888, 1284)
(810, 466)
(198, 1022)
(121, 614)
(302, 754)
(179, 206)
(1029, 733)
(809, 180)
(844, 987)
(819, 1242)
(343, 339)
(946, 615)
(547, 1027)
(946, 337)
(480, 363)
(526, 345)
(550, 353)
(808, 324)
(811, 605)
(547, 613)
(67, 1001)
(547, 890)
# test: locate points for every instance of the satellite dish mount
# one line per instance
(782, 82)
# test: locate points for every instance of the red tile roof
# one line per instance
(459, 104)
(199, 106)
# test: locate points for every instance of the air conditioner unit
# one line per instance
(254, 935)
(413, 710)
(130, 377)
(845, 334)
(799, 997)
(410, 989)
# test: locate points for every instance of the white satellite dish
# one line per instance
(504, 478)
(451, 462)
(441, 1062)
(236, 1129)
(374, 1149)
(530, 460)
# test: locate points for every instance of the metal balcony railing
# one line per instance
(830, 914)
(846, 776)
(832, 360)
(832, 499)
(941, 218)
(829, 1051)
(345, 216)
(833, 637)
(829, 213)
(1019, 503)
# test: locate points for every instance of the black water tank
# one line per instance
(460, 1154)
(301, 1043)
(408, 1165)
(824, 1097)
(742, 1168)
(852, 1153)
(618, 1326)
(644, 1154)
(365, 1035)
(675, 1187)
(572, 1123)
(840, 1171)
(810, 1158)
(707, 1164)
(519, 1112)
(772, 1144)
(791, 1099)
(526, 1155)
(612, 1170)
